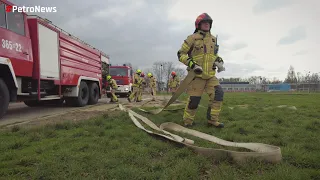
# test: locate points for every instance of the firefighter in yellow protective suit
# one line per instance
(137, 81)
(200, 50)
(141, 88)
(153, 86)
(113, 85)
(174, 82)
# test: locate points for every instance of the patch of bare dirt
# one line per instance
(242, 106)
(286, 106)
(77, 115)
(86, 112)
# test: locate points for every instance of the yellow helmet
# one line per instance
(108, 77)
(138, 71)
(149, 74)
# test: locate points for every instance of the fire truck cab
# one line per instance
(123, 75)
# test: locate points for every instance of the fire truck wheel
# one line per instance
(4, 98)
(93, 93)
(83, 96)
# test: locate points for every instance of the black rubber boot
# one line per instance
(221, 125)
(189, 125)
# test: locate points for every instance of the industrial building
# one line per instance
(247, 87)
(239, 87)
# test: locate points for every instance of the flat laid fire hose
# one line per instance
(263, 152)
(260, 151)
(183, 86)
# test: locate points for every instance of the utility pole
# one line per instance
(318, 85)
(160, 88)
(309, 81)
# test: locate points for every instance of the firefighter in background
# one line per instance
(141, 88)
(200, 51)
(135, 87)
(174, 82)
(153, 86)
(113, 85)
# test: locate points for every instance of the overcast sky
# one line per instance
(256, 37)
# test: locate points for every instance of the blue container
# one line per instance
(279, 87)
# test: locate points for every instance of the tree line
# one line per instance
(292, 78)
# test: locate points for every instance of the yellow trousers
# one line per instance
(195, 90)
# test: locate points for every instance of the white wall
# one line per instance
(49, 53)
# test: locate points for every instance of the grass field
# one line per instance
(111, 147)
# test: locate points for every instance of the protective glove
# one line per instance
(219, 59)
(196, 68)
(220, 66)
(219, 63)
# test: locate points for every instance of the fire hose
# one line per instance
(259, 151)
(263, 152)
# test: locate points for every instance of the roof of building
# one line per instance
(226, 82)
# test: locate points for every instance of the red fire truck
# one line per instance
(40, 62)
(124, 78)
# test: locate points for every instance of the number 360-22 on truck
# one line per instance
(41, 63)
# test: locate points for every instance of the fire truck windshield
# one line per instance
(118, 71)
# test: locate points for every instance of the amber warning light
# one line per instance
(31, 9)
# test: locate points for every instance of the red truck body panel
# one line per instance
(76, 58)
(22, 63)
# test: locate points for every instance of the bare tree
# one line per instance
(291, 76)
(299, 77)
(263, 80)
(181, 72)
(162, 71)
(253, 80)
(168, 68)
(314, 78)
(156, 68)
(147, 70)
(158, 73)
(275, 81)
